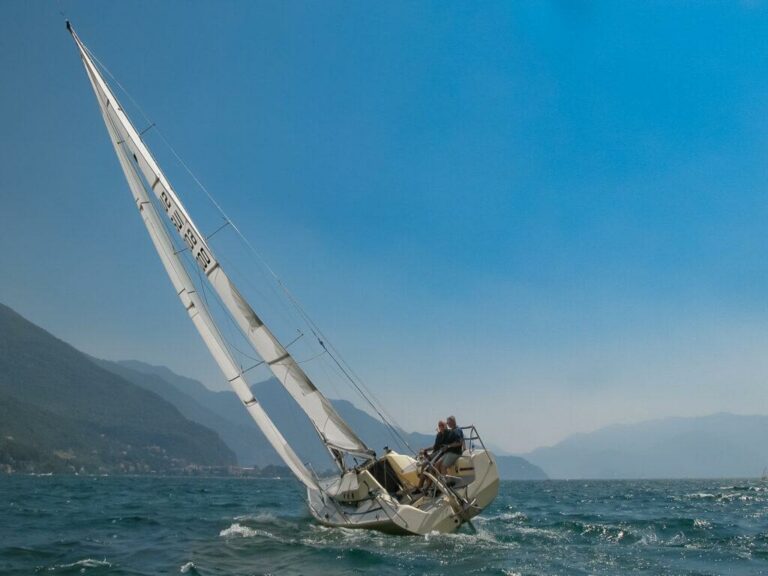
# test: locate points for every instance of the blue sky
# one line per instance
(542, 216)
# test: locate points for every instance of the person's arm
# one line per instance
(458, 440)
(452, 442)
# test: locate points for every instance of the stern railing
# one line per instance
(470, 437)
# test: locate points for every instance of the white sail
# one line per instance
(121, 133)
(332, 429)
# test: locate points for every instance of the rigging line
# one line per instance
(368, 393)
(390, 420)
(256, 253)
(386, 420)
(207, 238)
(204, 287)
(332, 377)
(147, 129)
(345, 372)
(140, 180)
(204, 189)
(122, 88)
(185, 166)
(205, 290)
(311, 358)
(201, 287)
(270, 296)
(334, 353)
(379, 409)
(213, 201)
(242, 372)
(219, 229)
(299, 337)
(392, 428)
(166, 225)
(357, 377)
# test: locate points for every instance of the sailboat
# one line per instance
(367, 491)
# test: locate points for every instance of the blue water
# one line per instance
(119, 525)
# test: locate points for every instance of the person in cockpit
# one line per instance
(434, 453)
(453, 447)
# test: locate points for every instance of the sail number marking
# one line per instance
(188, 234)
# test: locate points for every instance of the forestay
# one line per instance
(143, 174)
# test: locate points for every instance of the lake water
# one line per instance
(148, 526)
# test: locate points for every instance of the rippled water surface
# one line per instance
(118, 525)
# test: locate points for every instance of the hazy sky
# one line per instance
(544, 217)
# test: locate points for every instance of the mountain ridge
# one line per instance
(711, 446)
(281, 408)
(103, 423)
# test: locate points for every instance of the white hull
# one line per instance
(392, 511)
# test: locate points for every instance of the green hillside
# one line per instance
(59, 411)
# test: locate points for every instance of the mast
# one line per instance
(144, 175)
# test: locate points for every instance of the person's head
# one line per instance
(441, 426)
(451, 421)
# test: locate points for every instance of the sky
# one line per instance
(544, 217)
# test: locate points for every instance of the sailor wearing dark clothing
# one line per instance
(453, 448)
(455, 441)
(441, 439)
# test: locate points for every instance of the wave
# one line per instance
(504, 517)
(262, 518)
(686, 527)
(745, 488)
(83, 564)
(238, 529)
(188, 568)
(737, 495)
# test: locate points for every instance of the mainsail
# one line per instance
(144, 175)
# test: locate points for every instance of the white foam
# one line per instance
(504, 516)
(648, 538)
(237, 529)
(186, 567)
(88, 563)
(678, 539)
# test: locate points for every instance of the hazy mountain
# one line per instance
(224, 413)
(282, 409)
(518, 468)
(237, 433)
(59, 411)
(720, 445)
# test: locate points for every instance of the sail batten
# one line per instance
(143, 175)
